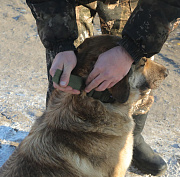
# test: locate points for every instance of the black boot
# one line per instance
(144, 158)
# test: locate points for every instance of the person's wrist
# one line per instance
(131, 48)
(68, 46)
(126, 55)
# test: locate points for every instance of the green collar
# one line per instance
(77, 83)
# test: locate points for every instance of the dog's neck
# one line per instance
(78, 83)
(83, 113)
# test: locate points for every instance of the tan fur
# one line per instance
(78, 136)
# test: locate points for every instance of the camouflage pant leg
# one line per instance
(50, 55)
(113, 16)
(84, 17)
(84, 20)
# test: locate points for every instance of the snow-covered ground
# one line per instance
(23, 85)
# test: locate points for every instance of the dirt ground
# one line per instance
(23, 85)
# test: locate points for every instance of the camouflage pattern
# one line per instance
(114, 16)
(84, 20)
(56, 23)
(50, 55)
(150, 25)
(64, 24)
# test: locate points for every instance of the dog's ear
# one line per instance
(121, 90)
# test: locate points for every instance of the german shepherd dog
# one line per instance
(79, 136)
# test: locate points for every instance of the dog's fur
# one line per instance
(78, 136)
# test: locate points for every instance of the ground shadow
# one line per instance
(170, 61)
(9, 139)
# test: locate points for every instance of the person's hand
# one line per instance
(109, 69)
(65, 61)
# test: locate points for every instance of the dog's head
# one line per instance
(143, 76)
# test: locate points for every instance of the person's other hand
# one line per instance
(109, 69)
(65, 61)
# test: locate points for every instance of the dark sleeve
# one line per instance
(56, 23)
(149, 26)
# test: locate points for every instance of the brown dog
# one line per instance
(79, 136)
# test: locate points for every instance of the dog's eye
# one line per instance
(143, 64)
(144, 60)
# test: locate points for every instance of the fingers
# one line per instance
(103, 86)
(63, 85)
(111, 84)
(100, 86)
(65, 61)
(99, 80)
(52, 70)
(94, 73)
(93, 83)
(67, 89)
(65, 76)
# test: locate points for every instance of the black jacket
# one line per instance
(143, 35)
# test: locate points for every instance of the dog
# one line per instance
(79, 136)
